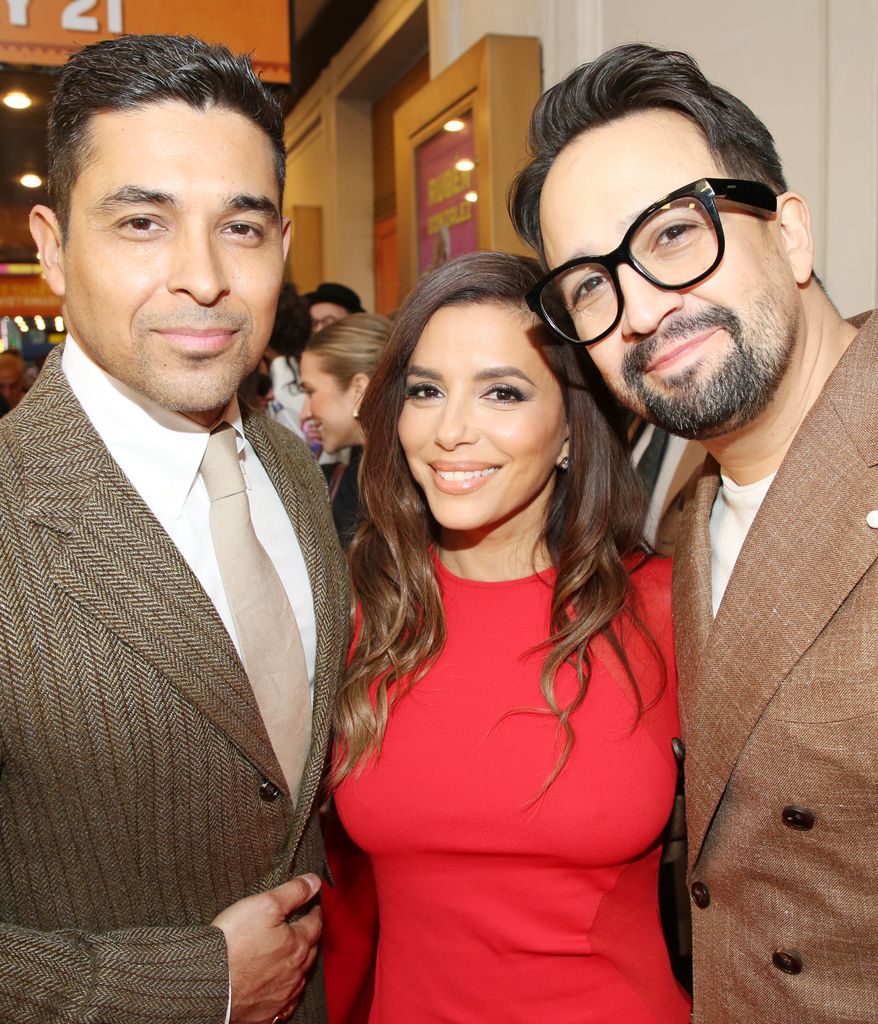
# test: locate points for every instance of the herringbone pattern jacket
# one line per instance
(131, 749)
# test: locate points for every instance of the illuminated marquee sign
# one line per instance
(46, 32)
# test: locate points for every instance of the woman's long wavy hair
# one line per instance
(593, 525)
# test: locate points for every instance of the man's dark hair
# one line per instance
(626, 80)
(134, 71)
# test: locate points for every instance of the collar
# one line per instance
(155, 447)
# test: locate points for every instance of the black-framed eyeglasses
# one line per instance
(674, 244)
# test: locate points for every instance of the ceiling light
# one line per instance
(17, 100)
(472, 197)
(31, 180)
(454, 125)
(59, 324)
(39, 323)
(465, 164)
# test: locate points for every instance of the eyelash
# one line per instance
(251, 230)
(507, 389)
(144, 225)
(427, 392)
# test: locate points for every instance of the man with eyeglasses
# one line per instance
(682, 261)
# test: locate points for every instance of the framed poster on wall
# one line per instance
(447, 195)
(458, 142)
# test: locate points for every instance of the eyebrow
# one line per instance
(489, 373)
(134, 195)
(130, 195)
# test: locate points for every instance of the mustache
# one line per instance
(196, 319)
(678, 327)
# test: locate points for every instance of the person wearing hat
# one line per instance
(331, 302)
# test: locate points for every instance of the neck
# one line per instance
(491, 559)
(757, 449)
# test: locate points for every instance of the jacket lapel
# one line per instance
(693, 618)
(809, 546)
(106, 550)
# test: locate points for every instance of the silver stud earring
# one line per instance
(564, 463)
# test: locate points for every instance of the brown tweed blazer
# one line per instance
(779, 703)
(132, 753)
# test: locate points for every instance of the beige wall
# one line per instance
(329, 138)
(809, 68)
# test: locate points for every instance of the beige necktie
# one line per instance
(268, 637)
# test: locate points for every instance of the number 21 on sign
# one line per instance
(75, 16)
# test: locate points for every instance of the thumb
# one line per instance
(296, 891)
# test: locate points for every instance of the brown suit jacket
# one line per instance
(133, 759)
(779, 699)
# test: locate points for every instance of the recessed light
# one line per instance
(31, 180)
(454, 125)
(465, 164)
(17, 100)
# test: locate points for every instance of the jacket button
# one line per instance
(679, 749)
(789, 963)
(798, 817)
(701, 895)
(268, 792)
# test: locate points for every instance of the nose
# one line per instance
(305, 412)
(644, 305)
(456, 425)
(198, 266)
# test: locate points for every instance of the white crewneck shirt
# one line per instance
(160, 452)
(731, 517)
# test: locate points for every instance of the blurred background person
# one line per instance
(292, 327)
(11, 378)
(256, 390)
(505, 727)
(331, 302)
(336, 367)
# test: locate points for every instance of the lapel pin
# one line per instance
(872, 519)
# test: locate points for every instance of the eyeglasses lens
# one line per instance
(674, 246)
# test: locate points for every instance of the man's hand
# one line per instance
(269, 958)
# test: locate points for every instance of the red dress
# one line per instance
(494, 909)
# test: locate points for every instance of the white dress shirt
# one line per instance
(160, 452)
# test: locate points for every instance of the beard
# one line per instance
(698, 404)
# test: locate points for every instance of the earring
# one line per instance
(356, 412)
(564, 463)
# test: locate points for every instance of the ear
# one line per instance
(794, 219)
(46, 233)
(359, 383)
(565, 451)
(286, 235)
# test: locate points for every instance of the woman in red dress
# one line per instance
(504, 753)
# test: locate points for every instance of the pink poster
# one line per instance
(447, 196)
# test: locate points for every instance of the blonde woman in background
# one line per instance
(336, 366)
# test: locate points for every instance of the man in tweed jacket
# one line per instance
(153, 863)
(708, 321)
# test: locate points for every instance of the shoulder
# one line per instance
(272, 439)
(651, 582)
(650, 603)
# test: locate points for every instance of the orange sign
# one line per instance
(47, 31)
(27, 295)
